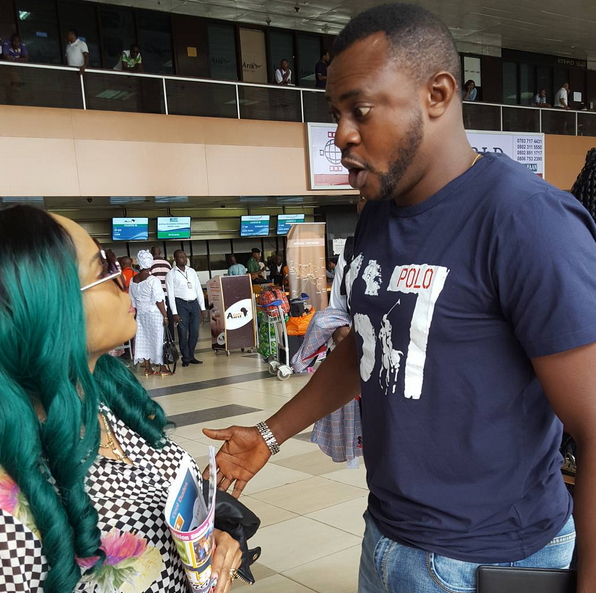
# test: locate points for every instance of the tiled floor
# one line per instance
(311, 508)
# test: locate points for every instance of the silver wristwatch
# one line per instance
(268, 437)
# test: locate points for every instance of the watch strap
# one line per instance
(268, 437)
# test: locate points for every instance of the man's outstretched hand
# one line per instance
(242, 455)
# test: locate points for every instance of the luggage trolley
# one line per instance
(280, 364)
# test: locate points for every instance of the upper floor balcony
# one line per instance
(110, 90)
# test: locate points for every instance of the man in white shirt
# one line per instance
(283, 75)
(186, 300)
(562, 97)
(77, 52)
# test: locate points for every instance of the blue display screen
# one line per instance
(254, 226)
(285, 221)
(130, 229)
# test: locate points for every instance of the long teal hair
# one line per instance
(43, 366)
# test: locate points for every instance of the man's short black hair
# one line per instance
(76, 33)
(419, 39)
(15, 36)
(256, 250)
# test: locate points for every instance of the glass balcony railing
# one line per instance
(39, 85)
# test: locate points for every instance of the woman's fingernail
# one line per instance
(214, 580)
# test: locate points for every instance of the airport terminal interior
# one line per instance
(219, 142)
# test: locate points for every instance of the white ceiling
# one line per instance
(560, 27)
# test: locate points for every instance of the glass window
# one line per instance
(82, 17)
(544, 80)
(222, 52)
(527, 84)
(155, 41)
(561, 77)
(117, 33)
(8, 24)
(309, 54)
(281, 47)
(267, 103)
(218, 251)
(199, 260)
(41, 88)
(113, 92)
(510, 88)
(38, 27)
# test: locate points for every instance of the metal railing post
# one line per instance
(165, 96)
(83, 92)
(540, 129)
(501, 111)
(237, 101)
(302, 104)
(577, 123)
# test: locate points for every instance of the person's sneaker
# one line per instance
(185, 364)
(195, 361)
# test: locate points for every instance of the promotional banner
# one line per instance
(327, 172)
(525, 148)
(254, 55)
(239, 314)
(218, 336)
(306, 263)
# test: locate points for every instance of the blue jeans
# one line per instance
(389, 567)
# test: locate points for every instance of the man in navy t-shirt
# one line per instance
(473, 295)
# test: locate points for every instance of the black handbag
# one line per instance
(241, 523)
(170, 352)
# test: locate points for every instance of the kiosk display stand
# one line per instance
(232, 313)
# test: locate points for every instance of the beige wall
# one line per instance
(58, 152)
(565, 156)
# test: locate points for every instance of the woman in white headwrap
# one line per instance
(148, 299)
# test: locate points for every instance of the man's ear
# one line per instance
(442, 91)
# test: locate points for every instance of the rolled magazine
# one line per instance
(191, 522)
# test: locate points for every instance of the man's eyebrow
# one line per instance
(347, 95)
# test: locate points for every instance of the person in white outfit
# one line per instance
(149, 300)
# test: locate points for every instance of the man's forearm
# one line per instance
(585, 516)
(335, 383)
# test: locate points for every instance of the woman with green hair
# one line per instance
(85, 466)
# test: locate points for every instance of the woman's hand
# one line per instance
(226, 558)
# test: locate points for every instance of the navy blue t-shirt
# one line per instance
(451, 298)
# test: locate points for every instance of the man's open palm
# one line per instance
(242, 455)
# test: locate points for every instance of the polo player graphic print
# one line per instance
(421, 282)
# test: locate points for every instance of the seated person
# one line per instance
(540, 100)
(15, 50)
(277, 270)
(235, 268)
